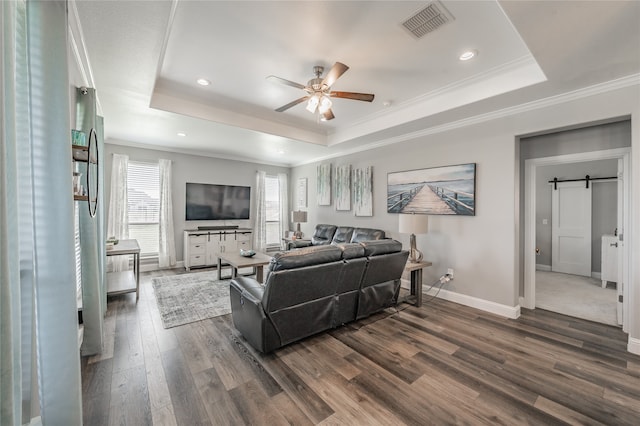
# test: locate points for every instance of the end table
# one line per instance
(416, 279)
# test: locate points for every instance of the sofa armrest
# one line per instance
(298, 244)
(249, 288)
(248, 315)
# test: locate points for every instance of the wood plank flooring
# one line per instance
(439, 364)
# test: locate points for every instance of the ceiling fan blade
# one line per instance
(328, 115)
(286, 82)
(367, 97)
(334, 73)
(291, 104)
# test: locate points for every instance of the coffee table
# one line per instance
(236, 261)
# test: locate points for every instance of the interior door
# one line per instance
(571, 228)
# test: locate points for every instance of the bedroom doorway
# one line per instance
(553, 281)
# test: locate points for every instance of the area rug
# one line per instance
(192, 297)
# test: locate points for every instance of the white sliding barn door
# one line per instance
(571, 228)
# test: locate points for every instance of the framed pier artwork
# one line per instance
(448, 190)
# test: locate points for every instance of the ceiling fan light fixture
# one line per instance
(318, 92)
(313, 103)
(325, 104)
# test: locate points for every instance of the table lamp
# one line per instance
(413, 224)
(298, 216)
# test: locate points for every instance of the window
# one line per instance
(272, 201)
(143, 192)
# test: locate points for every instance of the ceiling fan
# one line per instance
(319, 91)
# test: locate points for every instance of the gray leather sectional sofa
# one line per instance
(332, 234)
(310, 290)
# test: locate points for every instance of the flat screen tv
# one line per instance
(217, 202)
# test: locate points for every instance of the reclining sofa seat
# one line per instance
(332, 234)
(310, 290)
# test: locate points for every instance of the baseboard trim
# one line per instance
(153, 266)
(521, 301)
(149, 267)
(512, 312)
(633, 345)
(545, 268)
(596, 275)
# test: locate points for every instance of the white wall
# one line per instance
(191, 168)
(467, 243)
(483, 250)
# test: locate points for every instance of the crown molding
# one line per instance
(609, 86)
(194, 152)
(507, 77)
(463, 84)
(79, 49)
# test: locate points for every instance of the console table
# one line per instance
(202, 245)
(125, 281)
(416, 280)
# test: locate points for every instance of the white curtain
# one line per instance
(167, 245)
(118, 218)
(260, 225)
(39, 356)
(284, 203)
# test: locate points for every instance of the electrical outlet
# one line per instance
(450, 272)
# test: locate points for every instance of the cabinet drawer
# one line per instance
(245, 236)
(196, 260)
(244, 245)
(197, 248)
(197, 239)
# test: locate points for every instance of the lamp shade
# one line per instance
(413, 224)
(299, 216)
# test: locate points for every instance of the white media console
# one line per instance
(201, 245)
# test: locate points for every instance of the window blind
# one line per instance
(76, 237)
(143, 193)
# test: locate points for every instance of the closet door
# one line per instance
(571, 228)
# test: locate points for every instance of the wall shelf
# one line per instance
(88, 154)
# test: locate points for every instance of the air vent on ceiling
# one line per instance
(428, 19)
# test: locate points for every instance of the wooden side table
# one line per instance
(416, 280)
(125, 281)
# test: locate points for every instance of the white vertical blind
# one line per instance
(143, 203)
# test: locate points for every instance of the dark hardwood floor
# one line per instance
(439, 364)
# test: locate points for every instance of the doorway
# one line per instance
(569, 245)
(534, 168)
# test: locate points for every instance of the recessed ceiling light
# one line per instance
(469, 54)
(281, 151)
(203, 82)
(182, 134)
